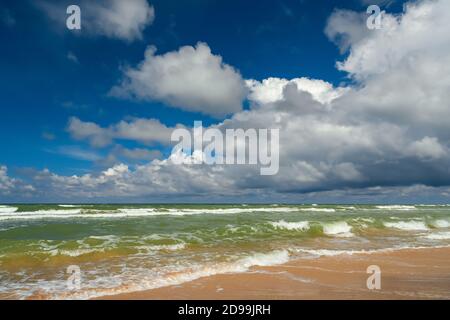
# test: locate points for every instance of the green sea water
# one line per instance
(122, 248)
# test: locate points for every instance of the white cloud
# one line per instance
(192, 79)
(427, 148)
(271, 90)
(77, 153)
(346, 27)
(96, 135)
(388, 135)
(120, 19)
(6, 183)
(147, 131)
(422, 30)
(136, 153)
(11, 186)
(125, 20)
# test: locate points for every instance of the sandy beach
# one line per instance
(223, 251)
(405, 274)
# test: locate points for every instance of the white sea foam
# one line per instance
(369, 220)
(318, 209)
(438, 236)
(339, 229)
(149, 280)
(396, 207)
(301, 225)
(130, 212)
(166, 247)
(411, 225)
(329, 252)
(440, 223)
(347, 207)
(40, 214)
(230, 210)
(7, 209)
(75, 252)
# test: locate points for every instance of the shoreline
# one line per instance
(405, 274)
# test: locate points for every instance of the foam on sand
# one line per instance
(148, 281)
(438, 236)
(332, 253)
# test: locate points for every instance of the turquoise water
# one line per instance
(122, 248)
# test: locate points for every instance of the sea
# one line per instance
(82, 251)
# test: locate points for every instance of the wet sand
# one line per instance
(405, 274)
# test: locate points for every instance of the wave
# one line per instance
(438, 236)
(340, 229)
(440, 223)
(317, 209)
(7, 209)
(232, 210)
(410, 225)
(164, 247)
(347, 208)
(331, 253)
(128, 212)
(143, 249)
(148, 280)
(396, 207)
(301, 225)
(40, 214)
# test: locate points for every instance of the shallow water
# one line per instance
(123, 248)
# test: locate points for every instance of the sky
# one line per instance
(87, 115)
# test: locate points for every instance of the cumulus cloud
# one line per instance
(346, 27)
(77, 153)
(192, 79)
(160, 177)
(125, 20)
(146, 131)
(271, 90)
(402, 39)
(385, 135)
(6, 182)
(427, 148)
(11, 186)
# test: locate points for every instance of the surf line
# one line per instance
(238, 146)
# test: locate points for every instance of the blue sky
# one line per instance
(50, 75)
(274, 39)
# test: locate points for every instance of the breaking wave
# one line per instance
(410, 225)
(440, 223)
(7, 209)
(301, 225)
(438, 236)
(396, 207)
(339, 229)
(9, 213)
